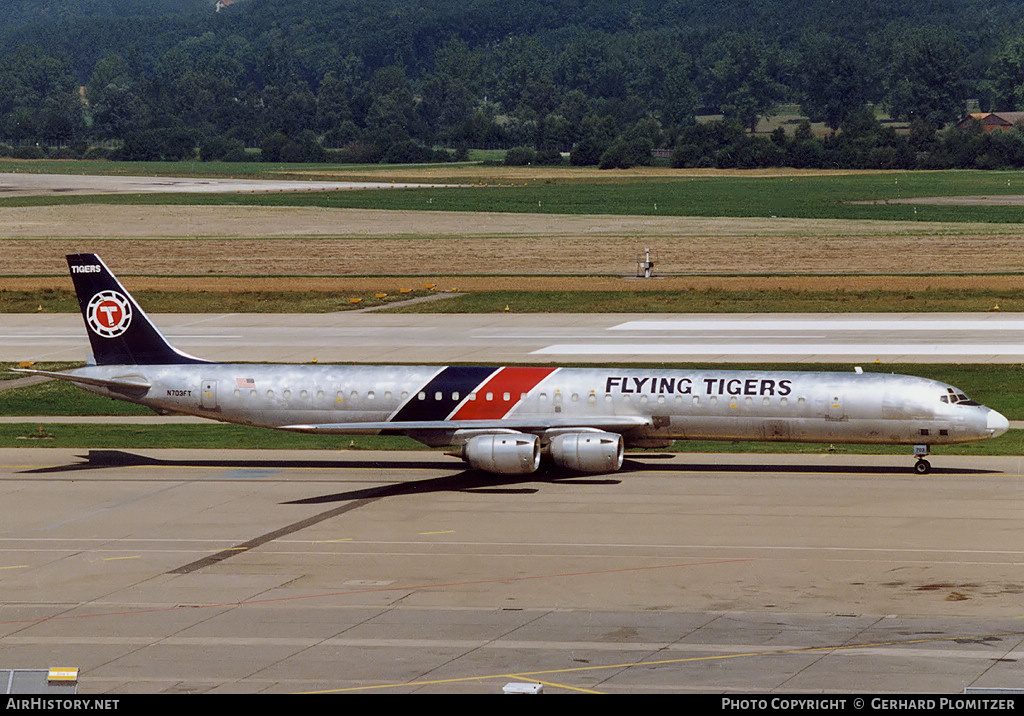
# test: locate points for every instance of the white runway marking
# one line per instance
(774, 323)
(783, 349)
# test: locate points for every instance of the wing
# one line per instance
(613, 423)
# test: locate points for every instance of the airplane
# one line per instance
(505, 419)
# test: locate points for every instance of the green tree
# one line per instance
(926, 76)
(115, 103)
(43, 104)
(392, 115)
(1004, 84)
(835, 79)
(742, 74)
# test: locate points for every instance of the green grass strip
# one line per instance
(712, 300)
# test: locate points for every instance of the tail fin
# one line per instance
(120, 332)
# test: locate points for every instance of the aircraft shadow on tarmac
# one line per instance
(98, 459)
(646, 462)
(472, 480)
(461, 481)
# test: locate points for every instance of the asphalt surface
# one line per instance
(19, 184)
(264, 571)
(865, 339)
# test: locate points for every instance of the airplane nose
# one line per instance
(997, 424)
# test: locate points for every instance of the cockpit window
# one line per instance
(952, 396)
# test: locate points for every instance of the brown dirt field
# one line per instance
(216, 241)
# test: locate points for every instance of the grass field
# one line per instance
(725, 301)
(699, 301)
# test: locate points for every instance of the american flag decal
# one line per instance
(245, 382)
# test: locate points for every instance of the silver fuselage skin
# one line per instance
(797, 406)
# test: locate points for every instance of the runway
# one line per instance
(344, 571)
(23, 184)
(551, 338)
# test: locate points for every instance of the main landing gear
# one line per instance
(922, 466)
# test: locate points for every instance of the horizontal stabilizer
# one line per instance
(122, 384)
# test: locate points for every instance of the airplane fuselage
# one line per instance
(679, 404)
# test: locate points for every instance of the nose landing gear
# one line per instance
(922, 466)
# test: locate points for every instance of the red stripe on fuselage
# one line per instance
(512, 382)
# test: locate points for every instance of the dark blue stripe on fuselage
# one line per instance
(451, 382)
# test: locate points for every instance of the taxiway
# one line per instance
(551, 338)
(345, 571)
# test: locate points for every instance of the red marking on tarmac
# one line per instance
(511, 382)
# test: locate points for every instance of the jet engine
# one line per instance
(587, 452)
(503, 454)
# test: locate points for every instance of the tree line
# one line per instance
(602, 81)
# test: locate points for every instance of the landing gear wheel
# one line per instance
(923, 467)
